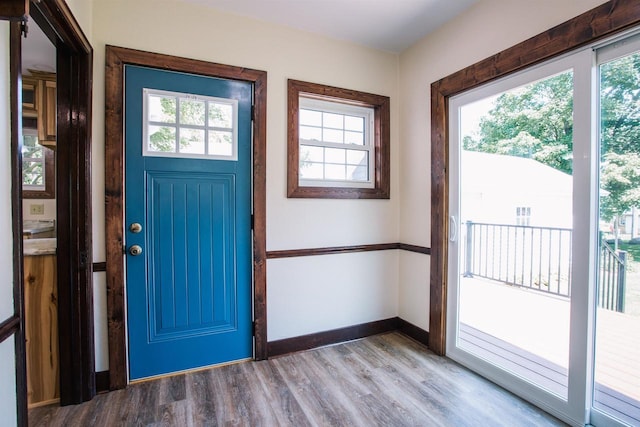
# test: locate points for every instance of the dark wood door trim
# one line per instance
(15, 83)
(14, 10)
(116, 59)
(74, 57)
(603, 21)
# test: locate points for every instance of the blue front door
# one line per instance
(188, 220)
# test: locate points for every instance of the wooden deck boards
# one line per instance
(382, 380)
(530, 338)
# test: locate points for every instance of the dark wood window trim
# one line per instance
(116, 59)
(50, 178)
(380, 105)
(603, 21)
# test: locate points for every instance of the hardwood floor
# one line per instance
(384, 380)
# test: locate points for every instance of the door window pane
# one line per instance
(220, 115)
(192, 141)
(162, 109)
(162, 139)
(191, 112)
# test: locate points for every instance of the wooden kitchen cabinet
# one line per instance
(41, 325)
(48, 115)
(39, 101)
(29, 97)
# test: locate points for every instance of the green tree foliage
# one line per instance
(620, 135)
(536, 121)
(620, 178)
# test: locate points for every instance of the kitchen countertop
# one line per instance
(30, 227)
(33, 247)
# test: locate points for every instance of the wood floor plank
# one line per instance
(202, 401)
(385, 380)
(313, 398)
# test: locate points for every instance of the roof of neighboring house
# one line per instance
(487, 172)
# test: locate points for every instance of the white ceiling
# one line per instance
(391, 25)
(38, 53)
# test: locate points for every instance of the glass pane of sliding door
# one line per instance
(511, 249)
(616, 389)
(515, 231)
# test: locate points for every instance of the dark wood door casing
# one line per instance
(15, 325)
(116, 59)
(72, 47)
(603, 21)
(74, 63)
(14, 10)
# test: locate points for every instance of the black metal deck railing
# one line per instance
(612, 278)
(538, 258)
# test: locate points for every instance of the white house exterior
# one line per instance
(502, 189)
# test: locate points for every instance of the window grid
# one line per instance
(179, 127)
(30, 145)
(333, 121)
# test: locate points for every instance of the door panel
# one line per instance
(199, 304)
(189, 291)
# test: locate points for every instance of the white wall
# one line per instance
(7, 352)
(8, 383)
(488, 27)
(49, 209)
(192, 31)
(83, 12)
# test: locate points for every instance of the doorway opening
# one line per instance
(39, 112)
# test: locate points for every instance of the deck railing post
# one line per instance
(469, 248)
(622, 278)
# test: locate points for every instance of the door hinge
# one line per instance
(24, 28)
(252, 221)
(253, 328)
(84, 257)
(253, 113)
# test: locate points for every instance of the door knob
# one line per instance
(136, 227)
(135, 250)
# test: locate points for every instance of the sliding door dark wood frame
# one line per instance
(116, 59)
(603, 21)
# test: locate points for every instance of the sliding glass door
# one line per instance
(544, 253)
(616, 389)
(513, 265)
